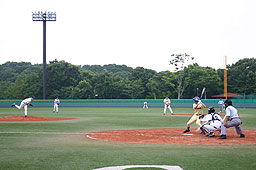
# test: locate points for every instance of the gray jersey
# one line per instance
(232, 112)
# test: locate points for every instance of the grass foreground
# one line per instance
(64, 145)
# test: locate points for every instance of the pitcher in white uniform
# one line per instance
(24, 104)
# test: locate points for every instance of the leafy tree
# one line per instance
(135, 89)
(83, 90)
(160, 85)
(4, 86)
(180, 61)
(242, 76)
(140, 76)
(63, 92)
(61, 75)
(9, 71)
(106, 86)
(200, 77)
(112, 68)
(25, 85)
(87, 75)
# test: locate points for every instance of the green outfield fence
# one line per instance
(242, 103)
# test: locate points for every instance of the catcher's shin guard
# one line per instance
(203, 131)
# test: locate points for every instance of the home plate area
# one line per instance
(173, 136)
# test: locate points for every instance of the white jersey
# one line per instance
(167, 101)
(213, 119)
(221, 102)
(27, 101)
(56, 101)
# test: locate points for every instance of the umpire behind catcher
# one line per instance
(232, 120)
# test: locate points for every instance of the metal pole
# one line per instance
(44, 16)
(44, 59)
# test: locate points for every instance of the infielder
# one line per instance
(198, 106)
(145, 105)
(167, 104)
(221, 104)
(232, 120)
(56, 105)
(24, 104)
(211, 122)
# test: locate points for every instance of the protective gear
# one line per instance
(201, 117)
(203, 131)
(228, 102)
(196, 99)
(211, 110)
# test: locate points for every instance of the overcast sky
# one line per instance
(132, 32)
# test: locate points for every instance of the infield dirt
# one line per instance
(173, 136)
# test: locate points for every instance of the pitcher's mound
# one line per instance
(32, 118)
(173, 136)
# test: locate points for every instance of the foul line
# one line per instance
(48, 133)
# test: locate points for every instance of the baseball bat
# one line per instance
(202, 92)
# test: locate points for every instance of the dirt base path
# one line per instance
(174, 136)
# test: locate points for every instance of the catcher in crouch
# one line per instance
(198, 106)
(211, 122)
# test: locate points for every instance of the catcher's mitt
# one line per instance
(201, 117)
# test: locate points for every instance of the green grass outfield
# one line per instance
(63, 144)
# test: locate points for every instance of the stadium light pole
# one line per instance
(44, 16)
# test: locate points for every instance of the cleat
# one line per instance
(210, 135)
(223, 137)
(202, 133)
(242, 136)
(186, 131)
(26, 116)
(13, 105)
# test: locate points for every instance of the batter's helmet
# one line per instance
(228, 102)
(196, 99)
(211, 109)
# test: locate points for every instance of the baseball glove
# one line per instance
(201, 117)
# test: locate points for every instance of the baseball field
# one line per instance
(72, 144)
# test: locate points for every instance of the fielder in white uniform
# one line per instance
(211, 122)
(24, 104)
(167, 104)
(221, 104)
(145, 105)
(56, 105)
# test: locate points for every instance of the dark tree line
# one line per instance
(64, 80)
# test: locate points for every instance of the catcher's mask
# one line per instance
(211, 110)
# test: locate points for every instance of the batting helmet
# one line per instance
(196, 99)
(211, 110)
(228, 102)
